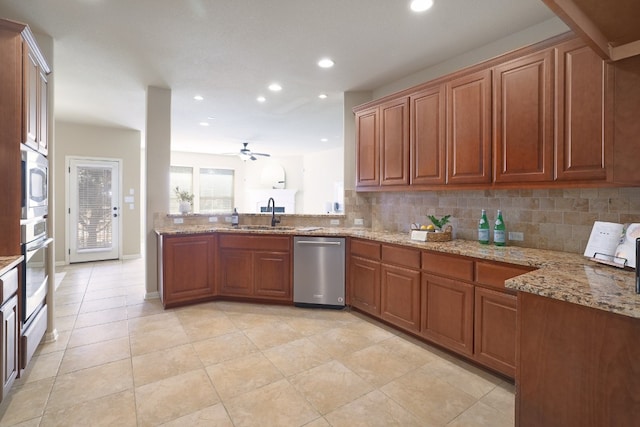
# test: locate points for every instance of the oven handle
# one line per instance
(39, 245)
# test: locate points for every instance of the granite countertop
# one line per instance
(560, 275)
(8, 262)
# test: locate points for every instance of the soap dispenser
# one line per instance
(235, 218)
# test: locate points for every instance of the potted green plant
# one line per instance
(185, 199)
(439, 222)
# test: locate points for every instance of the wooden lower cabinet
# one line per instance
(400, 296)
(186, 268)
(10, 365)
(255, 267)
(364, 284)
(577, 366)
(447, 313)
(272, 277)
(236, 273)
(495, 330)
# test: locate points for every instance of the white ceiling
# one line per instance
(108, 51)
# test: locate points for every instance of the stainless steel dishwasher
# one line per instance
(318, 271)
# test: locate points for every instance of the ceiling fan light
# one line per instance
(244, 157)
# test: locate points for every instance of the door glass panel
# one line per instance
(94, 228)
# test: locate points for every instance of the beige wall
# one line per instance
(74, 139)
(313, 175)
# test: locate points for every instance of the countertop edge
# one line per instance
(9, 262)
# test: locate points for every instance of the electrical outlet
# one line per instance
(213, 219)
(178, 221)
(227, 219)
(335, 222)
(358, 221)
(516, 236)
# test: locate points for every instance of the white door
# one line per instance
(94, 210)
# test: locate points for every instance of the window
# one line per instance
(179, 176)
(216, 190)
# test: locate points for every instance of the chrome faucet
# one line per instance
(272, 203)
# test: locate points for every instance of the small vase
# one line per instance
(184, 207)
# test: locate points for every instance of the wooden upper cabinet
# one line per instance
(469, 129)
(43, 126)
(427, 136)
(523, 115)
(394, 142)
(30, 99)
(583, 113)
(367, 148)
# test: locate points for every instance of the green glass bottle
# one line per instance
(483, 229)
(499, 231)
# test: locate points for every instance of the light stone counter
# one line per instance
(8, 262)
(559, 275)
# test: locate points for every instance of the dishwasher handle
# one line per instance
(313, 242)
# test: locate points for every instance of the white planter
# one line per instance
(184, 207)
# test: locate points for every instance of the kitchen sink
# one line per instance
(265, 227)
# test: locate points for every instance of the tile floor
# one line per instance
(123, 361)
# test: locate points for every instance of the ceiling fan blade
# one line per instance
(261, 154)
(253, 158)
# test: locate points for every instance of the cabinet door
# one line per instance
(523, 114)
(469, 129)
(428, 136)
(583, 113)
(495, 330)
(367, 148)
(447, 313)
(400, 296)
(188, 268)
(394, 142)
(272, 275)
(9, 344)
(236, 272)
(43, 125)
(31, 77)
(364, 284)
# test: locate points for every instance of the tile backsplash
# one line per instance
(557, 219)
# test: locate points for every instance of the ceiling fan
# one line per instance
(246, 154)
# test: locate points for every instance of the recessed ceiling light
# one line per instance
(421, 5)
(261, 99)
(275, 87)
(198, 97)
(322, 96)
(324, 139)
(204, 124)
(326, 63)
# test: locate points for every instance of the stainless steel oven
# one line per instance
(34, 183)
(34, 248)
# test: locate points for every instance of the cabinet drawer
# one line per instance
(260, 242)
(366, 249)
(401, 256)
(494, 275)
(447, 265)
(8, 285)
